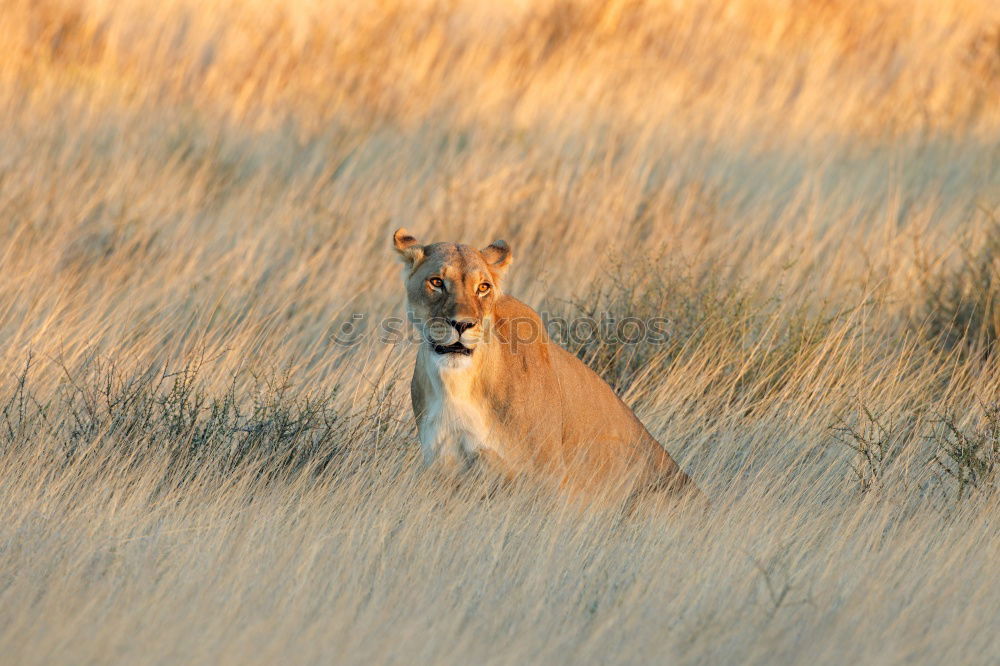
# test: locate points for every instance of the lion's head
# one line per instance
(451, 290)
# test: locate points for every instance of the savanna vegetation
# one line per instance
(206, 447)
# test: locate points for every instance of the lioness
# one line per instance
(489, 386)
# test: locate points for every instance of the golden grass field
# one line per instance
(196, 197)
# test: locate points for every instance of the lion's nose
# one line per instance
(462, 325)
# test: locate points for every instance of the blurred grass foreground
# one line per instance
(196, 202)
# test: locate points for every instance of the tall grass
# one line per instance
(206, 456)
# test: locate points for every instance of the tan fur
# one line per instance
(519, 403)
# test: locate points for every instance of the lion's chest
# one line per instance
(453, 430)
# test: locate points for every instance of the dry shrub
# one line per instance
(689, 312)
(961, 310)
(968, 459)
(135, 414)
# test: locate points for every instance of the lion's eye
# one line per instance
(484, 287)
(436, 282)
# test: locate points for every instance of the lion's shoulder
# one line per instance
(522, 331)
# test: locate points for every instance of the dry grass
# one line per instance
(196, 196)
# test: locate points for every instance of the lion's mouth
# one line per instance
(454, 348)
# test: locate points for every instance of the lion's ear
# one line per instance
(411, 252)
(498, 256)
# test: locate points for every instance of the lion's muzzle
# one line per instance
(450, 336)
